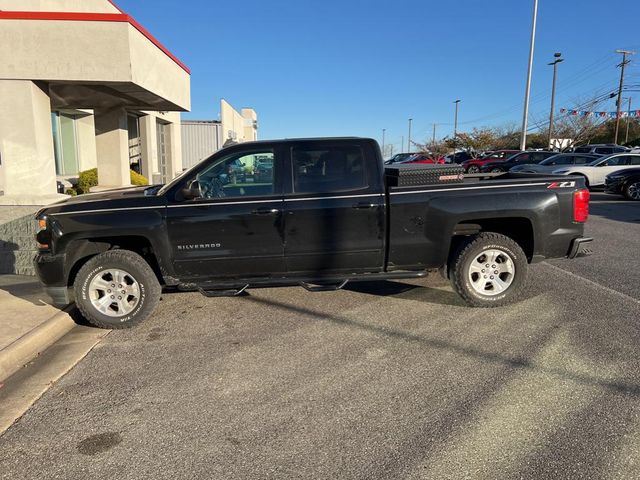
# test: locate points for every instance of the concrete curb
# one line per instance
(30, 345)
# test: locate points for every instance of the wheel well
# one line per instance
(94, 246)
(517, 228)
(586, 180)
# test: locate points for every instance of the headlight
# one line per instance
(41, 224)
(42, 235)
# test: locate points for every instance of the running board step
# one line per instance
(311, 287)
(211, 293)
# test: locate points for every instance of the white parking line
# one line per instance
(595, 284)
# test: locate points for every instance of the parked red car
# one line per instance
(424, 158)
(473, 165)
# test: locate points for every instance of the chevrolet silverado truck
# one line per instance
(329, 213)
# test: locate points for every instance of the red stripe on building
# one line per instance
(93, 17)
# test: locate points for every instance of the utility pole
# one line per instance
(383, 132)
(555, 63)
(527, 92)
(409, 138)
(433, 138)
(619, 102)
(626, 136)
(402, 145)
(455, 121)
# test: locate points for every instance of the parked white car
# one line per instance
(596, 171)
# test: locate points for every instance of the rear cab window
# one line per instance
(325, 168)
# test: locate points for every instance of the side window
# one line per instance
(239, 175)
(328, 169)
(582, 160)
(537, 157)
(604, 150)
(522, 158)
(615, 161)
(635, 160)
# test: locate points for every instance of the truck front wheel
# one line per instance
(116, 289)
(489, 270)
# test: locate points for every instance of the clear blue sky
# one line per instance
(329, 67)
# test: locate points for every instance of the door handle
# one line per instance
(363, 205)
(265, 211)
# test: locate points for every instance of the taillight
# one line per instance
(581, 206)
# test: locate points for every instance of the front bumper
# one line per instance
(613, 186)
(51, 273)
(580, 247)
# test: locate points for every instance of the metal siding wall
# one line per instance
(199, 141)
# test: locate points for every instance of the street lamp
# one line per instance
(527, 92)
(555, 63)
(455, 121)
(409, 138)
(383, 132)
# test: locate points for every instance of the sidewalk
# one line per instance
(28, 323)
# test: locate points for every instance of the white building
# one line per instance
(83, 85)
(201, 138)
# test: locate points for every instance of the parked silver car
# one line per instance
(552, 163)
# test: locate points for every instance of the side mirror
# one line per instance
(192, 191)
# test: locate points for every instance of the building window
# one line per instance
(135, 147)
(65, 144)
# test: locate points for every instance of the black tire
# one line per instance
(461, 264)
(632, 189)
(136, 268)
(473, 169)
(496, 170)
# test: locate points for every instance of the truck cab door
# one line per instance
(224, 221)
(334, 209)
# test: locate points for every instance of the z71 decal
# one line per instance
(561, 184)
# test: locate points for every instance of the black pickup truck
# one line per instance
(327, 214)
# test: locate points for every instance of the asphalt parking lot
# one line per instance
(387, 380)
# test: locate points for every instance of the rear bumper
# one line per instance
(580, 247)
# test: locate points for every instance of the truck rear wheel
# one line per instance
(489, 270)
(116, 289)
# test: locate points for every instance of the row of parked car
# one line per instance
(613, 167)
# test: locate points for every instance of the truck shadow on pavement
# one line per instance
(387, 288)
(449, 346)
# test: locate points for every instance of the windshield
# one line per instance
(598, 160)
(557, 160)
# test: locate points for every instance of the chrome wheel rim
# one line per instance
(496, 170)
(491, 272)
(473, 169)
(634, 190)
(114, 292)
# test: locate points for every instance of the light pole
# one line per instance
(555, 63)
(455, 120)
(383, 132)
(433, 138)
(402, 145)
(626, 136)
(619, 101)
(527, 92)
(409, 138)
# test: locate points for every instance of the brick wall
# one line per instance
(17, 243)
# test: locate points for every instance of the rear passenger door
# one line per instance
(334, 209)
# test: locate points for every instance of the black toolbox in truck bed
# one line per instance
(411, 175)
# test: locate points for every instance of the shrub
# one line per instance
(138, 180)
(71, 191)
(89, 178)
